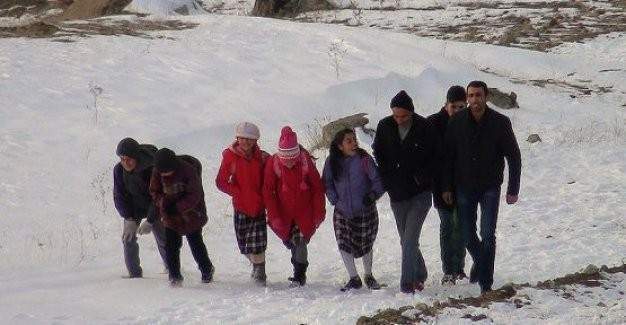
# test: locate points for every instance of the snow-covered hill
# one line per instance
(66, 105)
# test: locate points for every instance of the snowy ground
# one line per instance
(66, 105)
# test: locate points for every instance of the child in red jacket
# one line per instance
(294, 196)
(241, 177)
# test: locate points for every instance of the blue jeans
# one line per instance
(410, 215)
(483, 250)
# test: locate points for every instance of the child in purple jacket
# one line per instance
(353, 186)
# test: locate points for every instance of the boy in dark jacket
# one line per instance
(406, 148)
(176, 188)
(131, 179)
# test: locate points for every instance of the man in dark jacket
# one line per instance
(176, 188)
(452, 249)
(131, 180)
(406, 150)
(477, 141)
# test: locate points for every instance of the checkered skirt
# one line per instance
(251, 233)
(356, 235)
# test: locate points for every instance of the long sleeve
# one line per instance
(513, 157)
(121, 197)
(449, 159)
(156, 189)
(270, 198)
(377, 183)
(329, 182)
(192, 194)
(317, 188)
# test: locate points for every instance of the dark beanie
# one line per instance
(128, 147)
(402, 100)
(455, 94)
(165, 160)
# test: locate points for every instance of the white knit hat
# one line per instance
(247, 130)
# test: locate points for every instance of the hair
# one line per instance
(336, 154)
(479, 84)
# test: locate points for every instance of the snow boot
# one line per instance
(353, 283)
(176, 282)
(371, 282)
(299, 273)
(448, 279)
(207, 277)
(474, 273)
(258, 273)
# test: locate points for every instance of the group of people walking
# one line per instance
(454, 158)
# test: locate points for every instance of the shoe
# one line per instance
(484, 290)
(207, 277)
(407, 288)
(299, 273)
(353, 283)
(176, 282)
(419, 286)
(371, 283)
(461, 275)
(258, 274)
(133, 276)
(448, 279)
(474, 274)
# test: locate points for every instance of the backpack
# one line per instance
(193, 161)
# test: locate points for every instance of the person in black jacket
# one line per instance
(406, 150)
(477, 141)
(131, 181)
(452, 249)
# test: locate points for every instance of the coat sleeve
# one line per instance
(511, 151)
(377, 147)
(270, 198)
(121, 197)
(377, 183)
(317, 188)
(193, 192)
(156, 189)
(329, 182)
(224, 180)
(449, 158)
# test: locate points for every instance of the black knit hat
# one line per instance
(402, 100)
(128, 147)
(455, 94)
(165, 160)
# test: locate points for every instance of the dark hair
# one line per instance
(336, 155)
(479, 84)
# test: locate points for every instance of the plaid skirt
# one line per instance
(356, 235)
(251, 233)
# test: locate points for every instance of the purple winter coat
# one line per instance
(359, 178)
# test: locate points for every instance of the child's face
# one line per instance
(348, 145)
(289, 163)
(246, 144)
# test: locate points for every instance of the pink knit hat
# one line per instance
(288, 147)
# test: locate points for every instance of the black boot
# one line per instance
(353, 283)
(299, 273)
(474, 273)
(207, 276)
(258, 273)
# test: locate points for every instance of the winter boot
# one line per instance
(176, 281)
(371, 282)
(353, 283)
(448, 279)
(258, 273)
(299, 273)
(461, 275)
(207, 277)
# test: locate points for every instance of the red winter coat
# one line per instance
(242, 179)
(294, 197)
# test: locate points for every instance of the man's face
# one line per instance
(476, 99)
(401, 115)
(246, 144)
(455, 107)
(128, 163)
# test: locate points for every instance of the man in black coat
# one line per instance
(131, 181)
(450, 239)
(477, 142)
(406, 150)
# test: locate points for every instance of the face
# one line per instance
(246, 144)
(476, 99)
(289, 163)
(128, 163)
(401, 115)
(349, 144)
(454, 107)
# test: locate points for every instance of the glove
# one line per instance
(368, 200)
(145, 228)
(130, 230)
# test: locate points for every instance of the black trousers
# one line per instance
(173, 243)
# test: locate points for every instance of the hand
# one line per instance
(368, 200)
(130, 230)
(145, 228)
(448, 197)
(511, 199)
